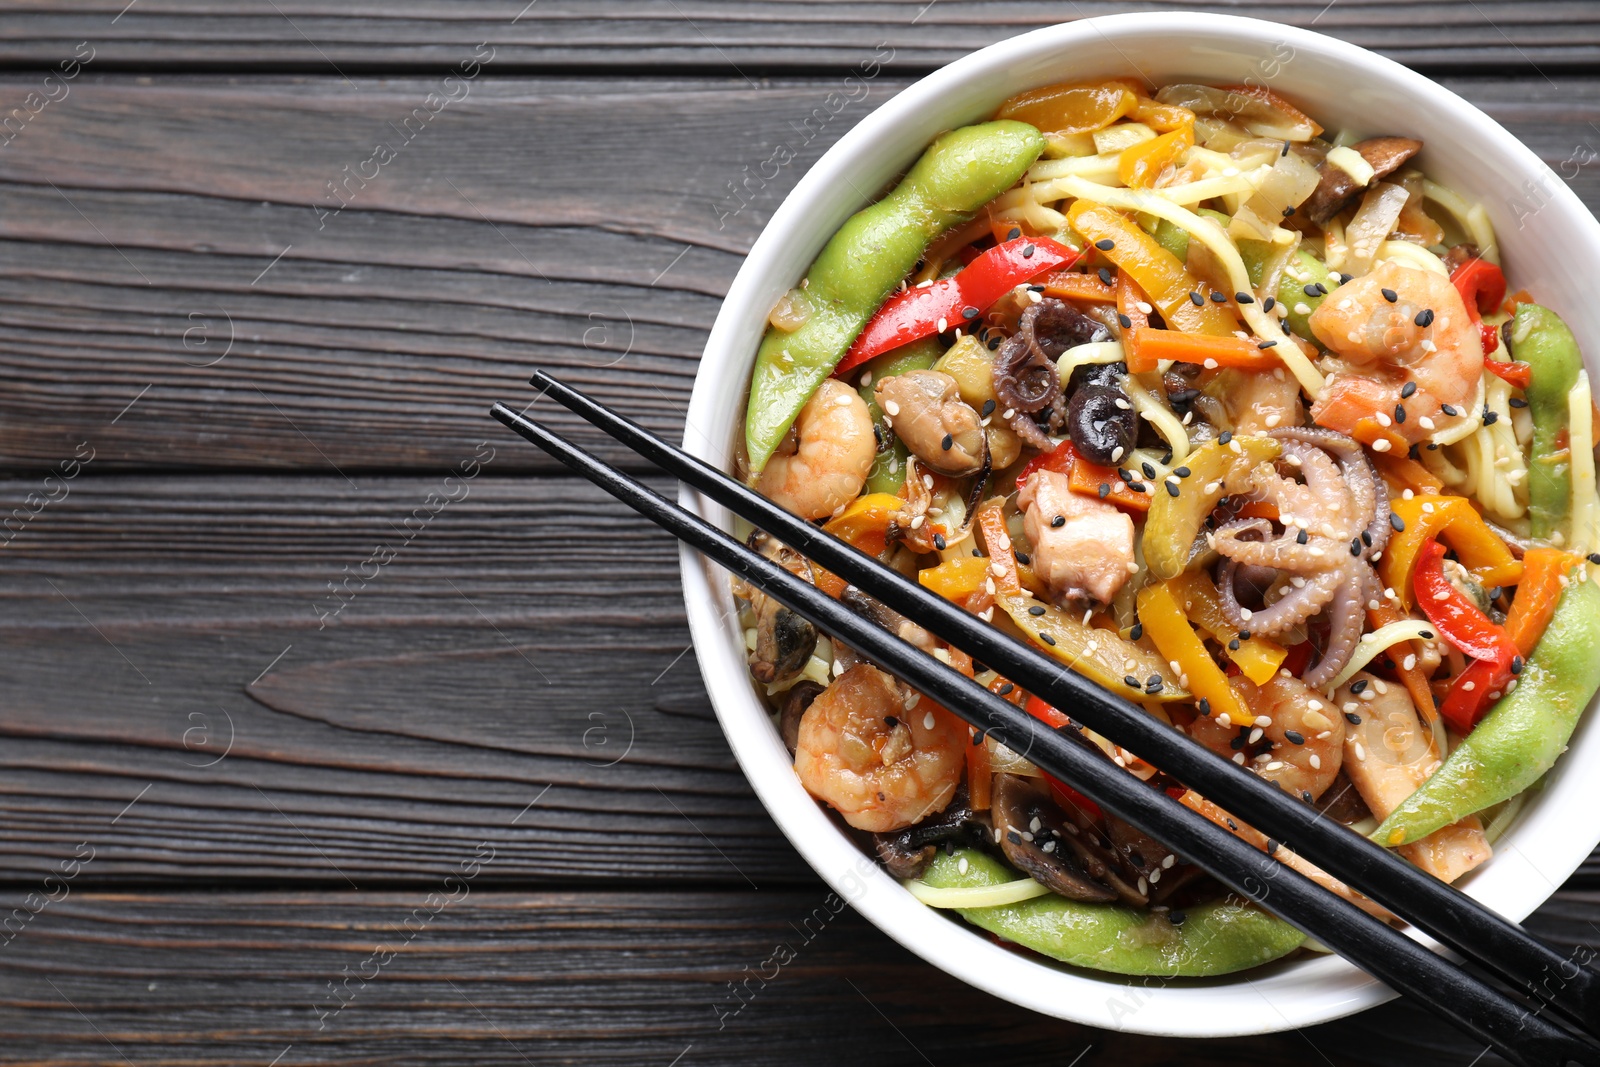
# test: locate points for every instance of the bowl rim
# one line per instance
(1317, 990)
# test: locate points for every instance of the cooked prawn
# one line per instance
(1297, 739)
(1387, 756)
(1081, 546)
(882, 765)
(1422, 338)
(830, 463)
(1258, 402)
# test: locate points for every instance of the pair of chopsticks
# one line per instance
(1551, 982)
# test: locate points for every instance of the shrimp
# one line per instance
(1081, 546)
(1258, 402)
(1423, 338)
(1387, 756)
(835, 452)
(881, 764)
(1297, 740)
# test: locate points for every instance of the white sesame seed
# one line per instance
(1255, 735)
(1167, 861)
(891, 408)
(1316, 761)
(943, 325)
(961, 864)
(1381, 445)
(1410, 662)
(928, 721)
(1210, 363)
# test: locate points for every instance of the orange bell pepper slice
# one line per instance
(1072, 285)
(1159, 273)
(1141, 165)
(1128, 300)
(1145, 347)
(1163, 118)
(1072, 107)
(1453, 519)
(1403, 472)
(1537, 595)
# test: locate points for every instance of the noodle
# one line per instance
(1580, 408)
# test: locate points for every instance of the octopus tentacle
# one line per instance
(1345, 615)
(1284, 553)
(1369, 496)
(1294, 607)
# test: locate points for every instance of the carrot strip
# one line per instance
(1537, 595)
(1413, 679)
(1403, 472)
(1129, 297)
(1002, 560)
(1144, 347)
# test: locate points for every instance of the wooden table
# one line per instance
(337, 725)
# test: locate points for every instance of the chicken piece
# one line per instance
(1081, 546)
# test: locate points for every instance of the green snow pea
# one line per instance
(1292, 293)
(1214, 938)
(888, 472)
(1521, 736)
(863, 262)
(1540, 339)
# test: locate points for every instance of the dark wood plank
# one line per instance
(528, 637)
(598, 977)
(552, 222)
(719, 34)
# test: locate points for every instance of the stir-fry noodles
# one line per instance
(1232, 415)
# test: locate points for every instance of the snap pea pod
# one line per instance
(863, 262)
(1293, 294)
(1521, 736)
(1214, 938)
(888, 472)
(1540, 339)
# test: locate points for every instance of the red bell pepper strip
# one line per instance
(1065, 795)
(1517, 373)
(1468, 698)
(1482, 286)
(916, 313)
(1453, 613)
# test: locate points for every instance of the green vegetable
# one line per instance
(867, 258)
(888, 472)
(1215, 938)
(1215, 471)
(1521, 736)
(1292, 293)
(1540, 339)
(1173, 238)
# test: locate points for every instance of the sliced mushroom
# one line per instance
(934, 422)
(1335, 187)
(906, 853)
(784, 640)
(1024, 372)
(795, 703)
(1071, 858)
(1342, 803)
(874, 610)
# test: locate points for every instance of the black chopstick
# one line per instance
(1472, 1005)
(1455, 919)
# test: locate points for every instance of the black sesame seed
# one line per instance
(1266, 344)
(1047, 639)
(938, 541)
(977, 739)
(890, 721)
(1490, 417)
(1424, 317)
(1389, 295)
(1290, 210)
(1137, 631)
(1125, 474)
(1322, 290)
(1305, 795)
(1358, 686)
(1285, 149)
(994, 343)
(1244, 298)
(1177, 918)
(1408, 390)
(1449, 409)
(1311, 291)
(1058, 522)
(1126, 323)
(1219, 298)
(1036, 288)
(1517, 402)
(1225, 436)
(947, 442)
(1149, 471)
(1154, 679)
(1005, 690)
(1016, 231)
(1027, 251)
(1302, 537)
(1014, 837)
(1397, 522)
(1426, 635)
(1105, 244)
(1346, 279)
(1130, 681)
(1233, 646)
(1594, 557)
(969, 313)
(1355, 546)
(1269, 303)
(1036, 609)
(1244, 635)
(1352, 718)
(1517, 663)
(1366, 538)
(1138, 487)
(1182, 472)
(1295, 737)
(979, 668)
(975, 552)
(1166, 457)
(1399, 413)
(1105, 276)
(1204, 706)
(1105, 490)
(1197, 300)
(1172, 488)
(988, 408)
(1232, 825)
(1272, 847)
(1022, 558)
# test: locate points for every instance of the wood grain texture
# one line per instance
(721, 34)
(596, 977)
(148, 224)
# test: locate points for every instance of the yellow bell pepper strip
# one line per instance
(864, 523)
(1537, 595)
(1257, 658)
(955, 579)
(1144, 346)
(1142, 164)
(1164, 623)
(1520, 738)
(1216, 469)
(888, 471)
(1072, 107)
(1540, 339)
(867, 258)
(1424, 518)
(1213, 939)
(1158, 272)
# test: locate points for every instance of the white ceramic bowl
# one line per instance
(1551, 246)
